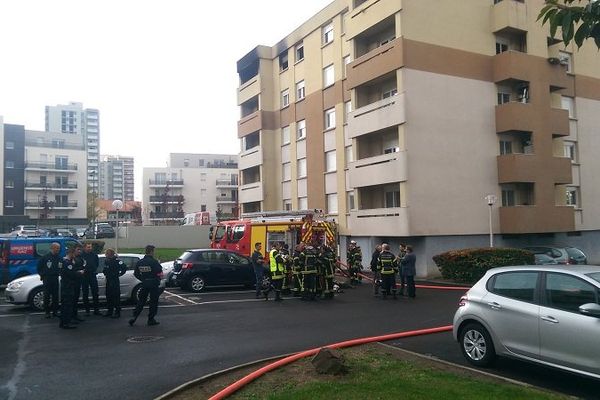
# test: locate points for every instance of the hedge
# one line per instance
(469, 265)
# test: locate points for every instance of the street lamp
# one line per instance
(491, 199)
(117, 205)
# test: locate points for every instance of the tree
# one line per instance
(578, 22)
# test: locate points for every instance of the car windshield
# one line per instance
(595, 276)
(574, 253)
(188, 256)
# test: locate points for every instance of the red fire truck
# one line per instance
(291, 227)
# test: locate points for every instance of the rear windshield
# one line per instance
(595, 276)
(574, 253)
(190, 256)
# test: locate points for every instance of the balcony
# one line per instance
(536, 219)
(166, 215)
(379, 170)
(378, 62)
(248, 90)
(54, 145)
(515, 116)
(226, 199)
(251, 158)
(50, 167)
(166, 199)
(531, 168)
(34, 205)
(50, 186)
(227, 183)
(379, 222)
(509, 15)
(377, 116)
(369, 13)
(251, 192)
(525, 67)
(162, 183)
(559, 122)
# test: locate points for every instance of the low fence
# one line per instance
(189, 237)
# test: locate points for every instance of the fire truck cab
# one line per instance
(289, 227)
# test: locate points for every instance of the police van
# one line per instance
(19, 256)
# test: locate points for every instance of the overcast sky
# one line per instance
(162, 73)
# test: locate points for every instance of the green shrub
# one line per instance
(97, 245)
(469, 265)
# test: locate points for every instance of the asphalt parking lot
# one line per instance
(203, 333)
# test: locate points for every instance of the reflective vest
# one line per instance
(276, 264)
(310, 260)
(387, 264)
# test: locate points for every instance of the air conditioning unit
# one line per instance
(554, 60)
(564, 61)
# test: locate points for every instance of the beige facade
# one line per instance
(399, 117)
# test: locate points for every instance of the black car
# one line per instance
(200, 268)
(100, 231)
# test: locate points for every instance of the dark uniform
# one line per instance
(79, 267)
(89, 281)
(354, 257)
(387, 268)
(309, 273)
(327, 261)
(376, 277)
(287, 283)
(69, 280)
(149, 271)
(49, 269)
(259, 270)
(113, 269)
(297, 266)
(277, 269)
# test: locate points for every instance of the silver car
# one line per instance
(28, 289)
(544, 314)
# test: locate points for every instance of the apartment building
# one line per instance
(43, 175)
(72, 118)
(401, 117)
(191, 182)
(116, 179)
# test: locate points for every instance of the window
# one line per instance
(332, 203)
(505, 147)
(10, 164)
(203, 207)
(302, 168)
(10, 203)
(566, 59)
(347, 60)
(285, 98)
(349, 155)
(202, 177)
(58, 144)
(328, 76)
(515, 285)
(238, 233)
(572, 196)
(330, 161)
(347, 110)
(501, 45)
(350, 200)
(9, 184)
(568, 103)
(389, 93)
(508, 198)
(571, 151)
(283, 61)
(285, 135)
(299, 52)
(301, 129)
(327, 33)
(568, 292)
(300, 91)
(392, 198)
(302, 203)
(286, 172)
(9, 145)
(330, 118)
(503, 98)
(186, 162)
(61, 162)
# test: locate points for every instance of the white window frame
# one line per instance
(302, 203)
(566, 58)
(332, 203)
(284, 61)
(572, 194)
(285, 135)
(389, 93)
(568, 103)
(329, 117)
(505, 147)
(571, 151)
(347, 110)
(299, 48)
(285, 98)
(350, 199)
(328, 76)
(286, 172)
(301, 168)
(330, 161)
(347, 60)
(349, 155)
(327, 33)
(300, 90)
(301, 129)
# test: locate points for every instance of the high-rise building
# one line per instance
(191, 183)
(116, 178)
(400, 117)
(72, 118)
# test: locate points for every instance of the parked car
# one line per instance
(201, 268)
(100, 230)
(26, 231)
(544, 259)
(168, 273)
(562, 255)
(544, 314)
(80, 232)
(28, 290)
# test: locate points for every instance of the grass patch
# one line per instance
(160, 253)
(374, 373)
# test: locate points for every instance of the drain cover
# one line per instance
(144, 339)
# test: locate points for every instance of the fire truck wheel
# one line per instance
(196, 284)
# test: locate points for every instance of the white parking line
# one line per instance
(180, 297)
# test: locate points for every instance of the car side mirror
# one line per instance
(591, 309)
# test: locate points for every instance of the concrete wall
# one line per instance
(192, 237)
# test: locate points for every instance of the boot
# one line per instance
(97, 311)
(278, 296)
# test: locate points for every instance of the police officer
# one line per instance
(79, 267)
(277, 268)
(259, 269)
(69, 279)
(149, 271)
(309, 273)
(113, 269)
(387, 268)
(327, 261)
(89, 281)
(49, 269)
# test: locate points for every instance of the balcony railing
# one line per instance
(227, 182)
(50, 186)
(67, 204)
(60, 167)
(166, 199)
(54, 145)
(166, 215)
(226, 199)
(165, 182)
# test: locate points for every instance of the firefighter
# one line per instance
(309, 273)
(298, 263)
(277, 268)
(286, 286)
(327, 258)
(388, 268)
(354, 258)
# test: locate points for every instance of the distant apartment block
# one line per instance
(399, 119)
(191, 182)
(116, 178)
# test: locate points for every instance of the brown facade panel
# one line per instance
(514, 117)
(300, 112)
(376, 63)
(333, 95)
(525, 67)
(587, 87)
(257, 121)
(514, 168)
(558, 120)
(536, 219)
(287, 115)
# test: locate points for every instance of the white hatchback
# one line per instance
(28, 289)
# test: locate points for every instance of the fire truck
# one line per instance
(290, 227)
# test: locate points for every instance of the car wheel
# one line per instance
(476, 345)
(135, 294)
(36, 299)
(196, 284)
